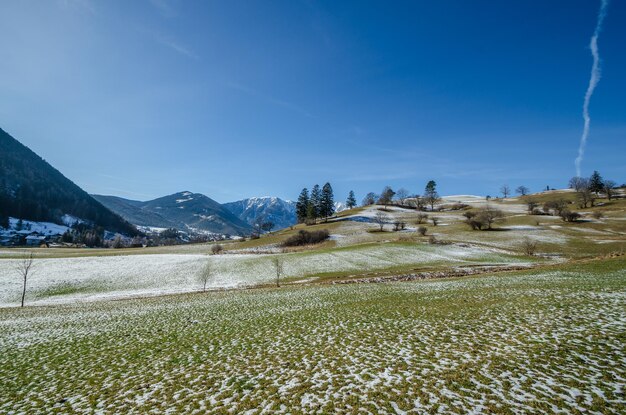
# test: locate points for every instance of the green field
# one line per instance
(544, 340)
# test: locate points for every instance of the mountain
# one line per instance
(184, 210)
(281, 212)
(32, 189)
(132, 211)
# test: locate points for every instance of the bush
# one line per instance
(399, 225)
(434, 220)
(597, 215)
(421, 218)
(216, 249)
(432, 240)
(569, 216)
(529, 246)
(422, 230)
(307, 238)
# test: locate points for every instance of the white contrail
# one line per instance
(593, 81)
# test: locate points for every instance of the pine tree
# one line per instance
(328, 202)
(302, 205)
(316, 202)
(430, 194)
(596, 184)
(351, 201)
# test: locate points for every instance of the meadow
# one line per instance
(535, 341)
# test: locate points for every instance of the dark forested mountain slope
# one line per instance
(32, 189)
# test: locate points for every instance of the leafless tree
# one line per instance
(578, 183)
(421, 218)
(529, 246)
(24, 267)
(531, 205)
(609, 186)
(216, 249)
(434, 220)
(401, 195)
(420, 202)
(487, 216)
(505, 190)
(380, 219)
(421, 230)
(206, 274)
(522, 190)
(278, 268)
(586, 198)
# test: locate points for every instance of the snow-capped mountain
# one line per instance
(184, 210)
(281, 212)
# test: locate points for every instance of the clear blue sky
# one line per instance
(235, 99)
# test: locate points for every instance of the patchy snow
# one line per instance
(43, 228)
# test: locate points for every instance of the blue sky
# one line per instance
(235, 99)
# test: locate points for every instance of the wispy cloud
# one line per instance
(269, 98)
(177, 47)
(593, 81)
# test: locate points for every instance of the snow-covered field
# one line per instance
(89, 278)
(533, 342)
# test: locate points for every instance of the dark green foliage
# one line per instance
(430, 194)
(315, 203)
(32, 189)
(327, 205)
(306, 238)
(302, 205)
(351, 201)
(596, 184)
(4, 221)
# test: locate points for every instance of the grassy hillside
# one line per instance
(533, 342)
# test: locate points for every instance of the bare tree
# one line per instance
(380, 219)
(419, 201)
(522, 190)
(434, 220)
(586, 198)
(421, 230)
(488, 216)
(278, 268)
(216, 249)
(401, 195)
(505, 190)
(421, 218)
(609, 186)
(578, 183)
(24, 267)
(529, 246)
(206, 274)
(531, 205)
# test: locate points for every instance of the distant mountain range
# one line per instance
(187, 211)
(31, 189)
(278, 211)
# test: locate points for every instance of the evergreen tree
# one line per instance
(351, 201)
(19, 225)
(4, 221)
(430, 194)
(316, 202)
(302, 205)
(328, 202)
(596, 184)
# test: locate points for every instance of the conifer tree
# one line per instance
(596, 184)
(351, 201)
(316, 202)
(328, 202)
(430, 194)
(302, 205)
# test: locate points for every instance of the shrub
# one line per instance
(597, 215)
(422, 230)
(434, 220)
(307, 238)
(529, 246)
(421, 218)
(216, 249)
(569, 216)
(399, 225)
(432, 240)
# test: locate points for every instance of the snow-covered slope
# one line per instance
(281, 212)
